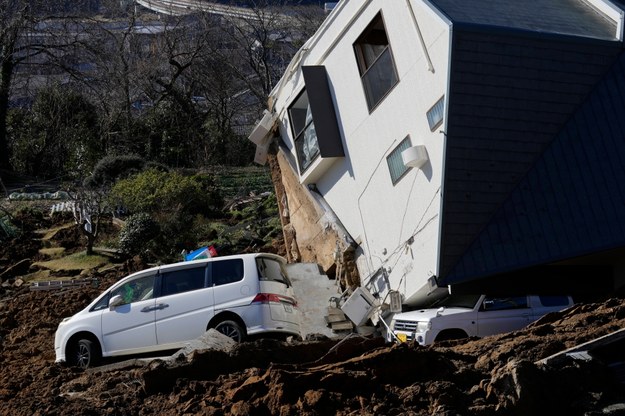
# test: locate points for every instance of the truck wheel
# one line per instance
(85, 354)
(450, 334)
(231, 329)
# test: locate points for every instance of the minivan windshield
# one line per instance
(273, 270)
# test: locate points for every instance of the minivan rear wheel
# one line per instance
(232, 329)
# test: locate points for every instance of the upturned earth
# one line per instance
(354, 375)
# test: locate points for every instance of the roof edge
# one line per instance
(610, 11)
(477, 27)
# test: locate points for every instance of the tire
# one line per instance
(232, 329)
(85, 354)
(451, 334)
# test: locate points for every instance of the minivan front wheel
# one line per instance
(232, 329)
(85, 354)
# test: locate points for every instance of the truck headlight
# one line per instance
(423, 326)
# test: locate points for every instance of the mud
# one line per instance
(494, 375)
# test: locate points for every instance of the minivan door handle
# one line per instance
(154, 308)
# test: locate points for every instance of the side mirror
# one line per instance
(115, 301)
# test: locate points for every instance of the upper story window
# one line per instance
(314, 124)
(306, 143)
(375, 61)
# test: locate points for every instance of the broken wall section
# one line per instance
(312, 232)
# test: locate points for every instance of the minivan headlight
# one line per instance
(65, 320)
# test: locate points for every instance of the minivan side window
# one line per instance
(102, 303)
(179, 281)
(270, 269)
(227, 271)
(136, 289)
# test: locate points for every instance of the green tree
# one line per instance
(174, 135)
(169, 193)
(172, 200)
(139, 234)
(58, 137)
(112, 168)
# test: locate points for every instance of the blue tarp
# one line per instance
(201, 253)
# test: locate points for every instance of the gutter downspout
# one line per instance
(425, 49)
(444, 132)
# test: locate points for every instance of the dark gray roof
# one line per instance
(570, 17)
(511, 94)
(571, 202)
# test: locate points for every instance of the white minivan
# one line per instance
(165, 307)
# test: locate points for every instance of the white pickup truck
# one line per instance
(461, 316)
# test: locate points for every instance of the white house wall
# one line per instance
(380, 216)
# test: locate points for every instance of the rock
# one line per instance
(210, 340)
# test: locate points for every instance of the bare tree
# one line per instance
(214, 70)
(89, 208)
(257, 48)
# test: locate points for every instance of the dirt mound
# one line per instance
(494, 375)
(355, 376)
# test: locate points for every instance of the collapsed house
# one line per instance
(423, 145)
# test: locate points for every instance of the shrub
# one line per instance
(171, 193)
(138, 234)
(175, 201)
(111, 168)
(7, 229)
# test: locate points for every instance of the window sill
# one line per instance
(316, 169)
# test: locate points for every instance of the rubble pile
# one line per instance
(358, 375)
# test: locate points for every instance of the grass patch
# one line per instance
(76, 261)
(53, 252)
(240, 181)
(50, 233)
(39, 276)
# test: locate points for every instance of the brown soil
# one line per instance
(495, 375)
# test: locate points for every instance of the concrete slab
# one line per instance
(313, 291)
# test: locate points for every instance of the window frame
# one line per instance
(396, 154)
(298, 135)
(499, 303)
(365, 68)
(164, 275)
(435, 125)
(216, 281)
(133, 282)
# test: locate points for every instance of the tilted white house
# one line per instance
(424, 138)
